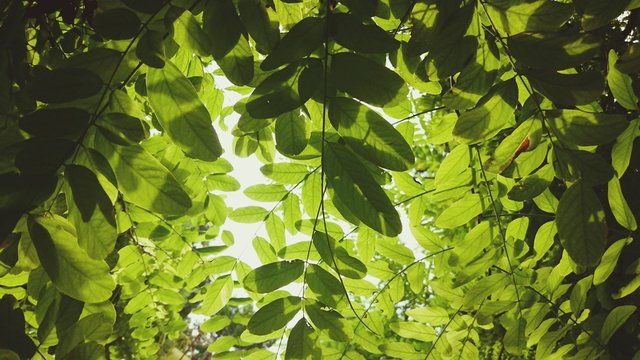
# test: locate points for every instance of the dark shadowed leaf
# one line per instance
(581, 224)
(349, 31)
(62, 85)
(273, 276)
(60, 122)
(116, 23)
(353, 182)
(303, 38)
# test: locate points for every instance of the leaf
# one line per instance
(336, 326)
(567, 89)
(285, 90)
(116, 23)
(285, 173)
(91, 212)
(370, 135)
(302, 39)
(525, 137)
(188, 34)
(554, 50)
(609, 261)
(515, 17)
(150, 49)
(268, 193)
(482, 289)
(413, 330)
(400, 350)
(493, 113)
(461, 211)
(621, 85)
(42, 155)
(532, 185)
(615, 319)
(514, 339)
(122, 128)
(63, 85)
(358, 190)
(249, 214)
(327, 287)
(571, 165)
(217, 296)
(623, 147)
(229, 45)
(271, 277)
(69, 267)
(181, 113)
(619, 206)
(596, 13)
(301, 343)
(582, 228)
(367, 80)
(260, 23)
(274, 316)
(292, 133)
(55, 123)
(578, 298)
(143, 180)
(584, 128)
(348, 31)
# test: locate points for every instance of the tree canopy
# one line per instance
(447, 179)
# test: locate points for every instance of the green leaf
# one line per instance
(301, 344)
(229, 45)
(514, 339)
(271, 277)
(327, 287)
(348, 31)
(619, 207)
(69, 267)
(265, 251)
(91, 212)
(525, 137)
(621, 85)
(358, 190)
(217, 296)
(581, 224)
(414, 330)
(116, 23)
(188, 34)
(553, 51)
(261, 24)
(578, 297)
(370, 135)
(623, 147)
(513, 17)
(584, 128)
(400, 350)
(609, 261)
(55, 123)
(144, 180)
(292, 133)
(493, 113)
(367, 80)
(462, 211)
(63, 85)
(484, 288)
(181, 113)
(336, 326)
(285, 173)
(301, 40)
(532, 185)
(267, 193)
(275, 315)
(615, 319)
(249, 214)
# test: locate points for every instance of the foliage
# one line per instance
(513, 155)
